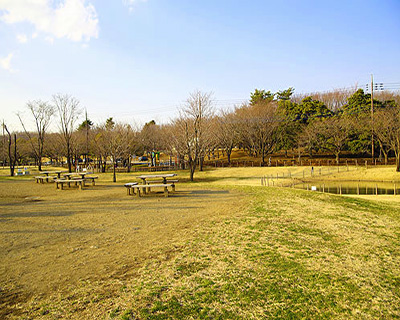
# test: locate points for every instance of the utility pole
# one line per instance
(372, 118)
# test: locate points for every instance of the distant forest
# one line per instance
(335, 122)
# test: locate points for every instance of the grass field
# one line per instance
(222, 247)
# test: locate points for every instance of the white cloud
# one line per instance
(22, 38)
(5, 63)
(131, 3)
(75, 20)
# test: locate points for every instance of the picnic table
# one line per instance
(78, 182)
(58, 173)
(77, 174)
(47, 174)
(45, 177)
(149, 183)
(145, 178)
(80, 176)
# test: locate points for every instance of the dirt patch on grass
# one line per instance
(50, 247)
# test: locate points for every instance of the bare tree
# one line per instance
(12, 149)
(53, 148)
(115, 141)
(226, 132)
(68, 112)
(309, 138)
(150, 140)
(42, 113)
(258, 127)
(335, 133)
(333, 99)
(387, 130)
(193, 123)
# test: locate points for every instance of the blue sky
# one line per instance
(139, 60)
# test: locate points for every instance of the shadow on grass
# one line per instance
(74, 230)
(197, 192)
(36, 214)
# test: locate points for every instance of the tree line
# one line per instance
(334, 122)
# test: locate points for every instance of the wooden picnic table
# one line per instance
(145, 178)
(81, 174)
(45, 177)
(58, 173)
(46, 173)
(78, 182)
(155, 176)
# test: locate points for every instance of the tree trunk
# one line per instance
(398, 162)
(69, 159)
(263, 157)
(228, 153)
(192, 165)
(12, 158)
(201, 163)
(385, 155)
(337, 157)
(114, 173)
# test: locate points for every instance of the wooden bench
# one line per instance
(60, 182)
(90, 178)
(40, 179)
(146, 186)
(129, 188)
(172, 182)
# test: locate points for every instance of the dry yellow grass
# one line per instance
(222, 247)
(52, 240)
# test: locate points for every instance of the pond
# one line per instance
(351, 187)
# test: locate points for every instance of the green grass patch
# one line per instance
(278, 253)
